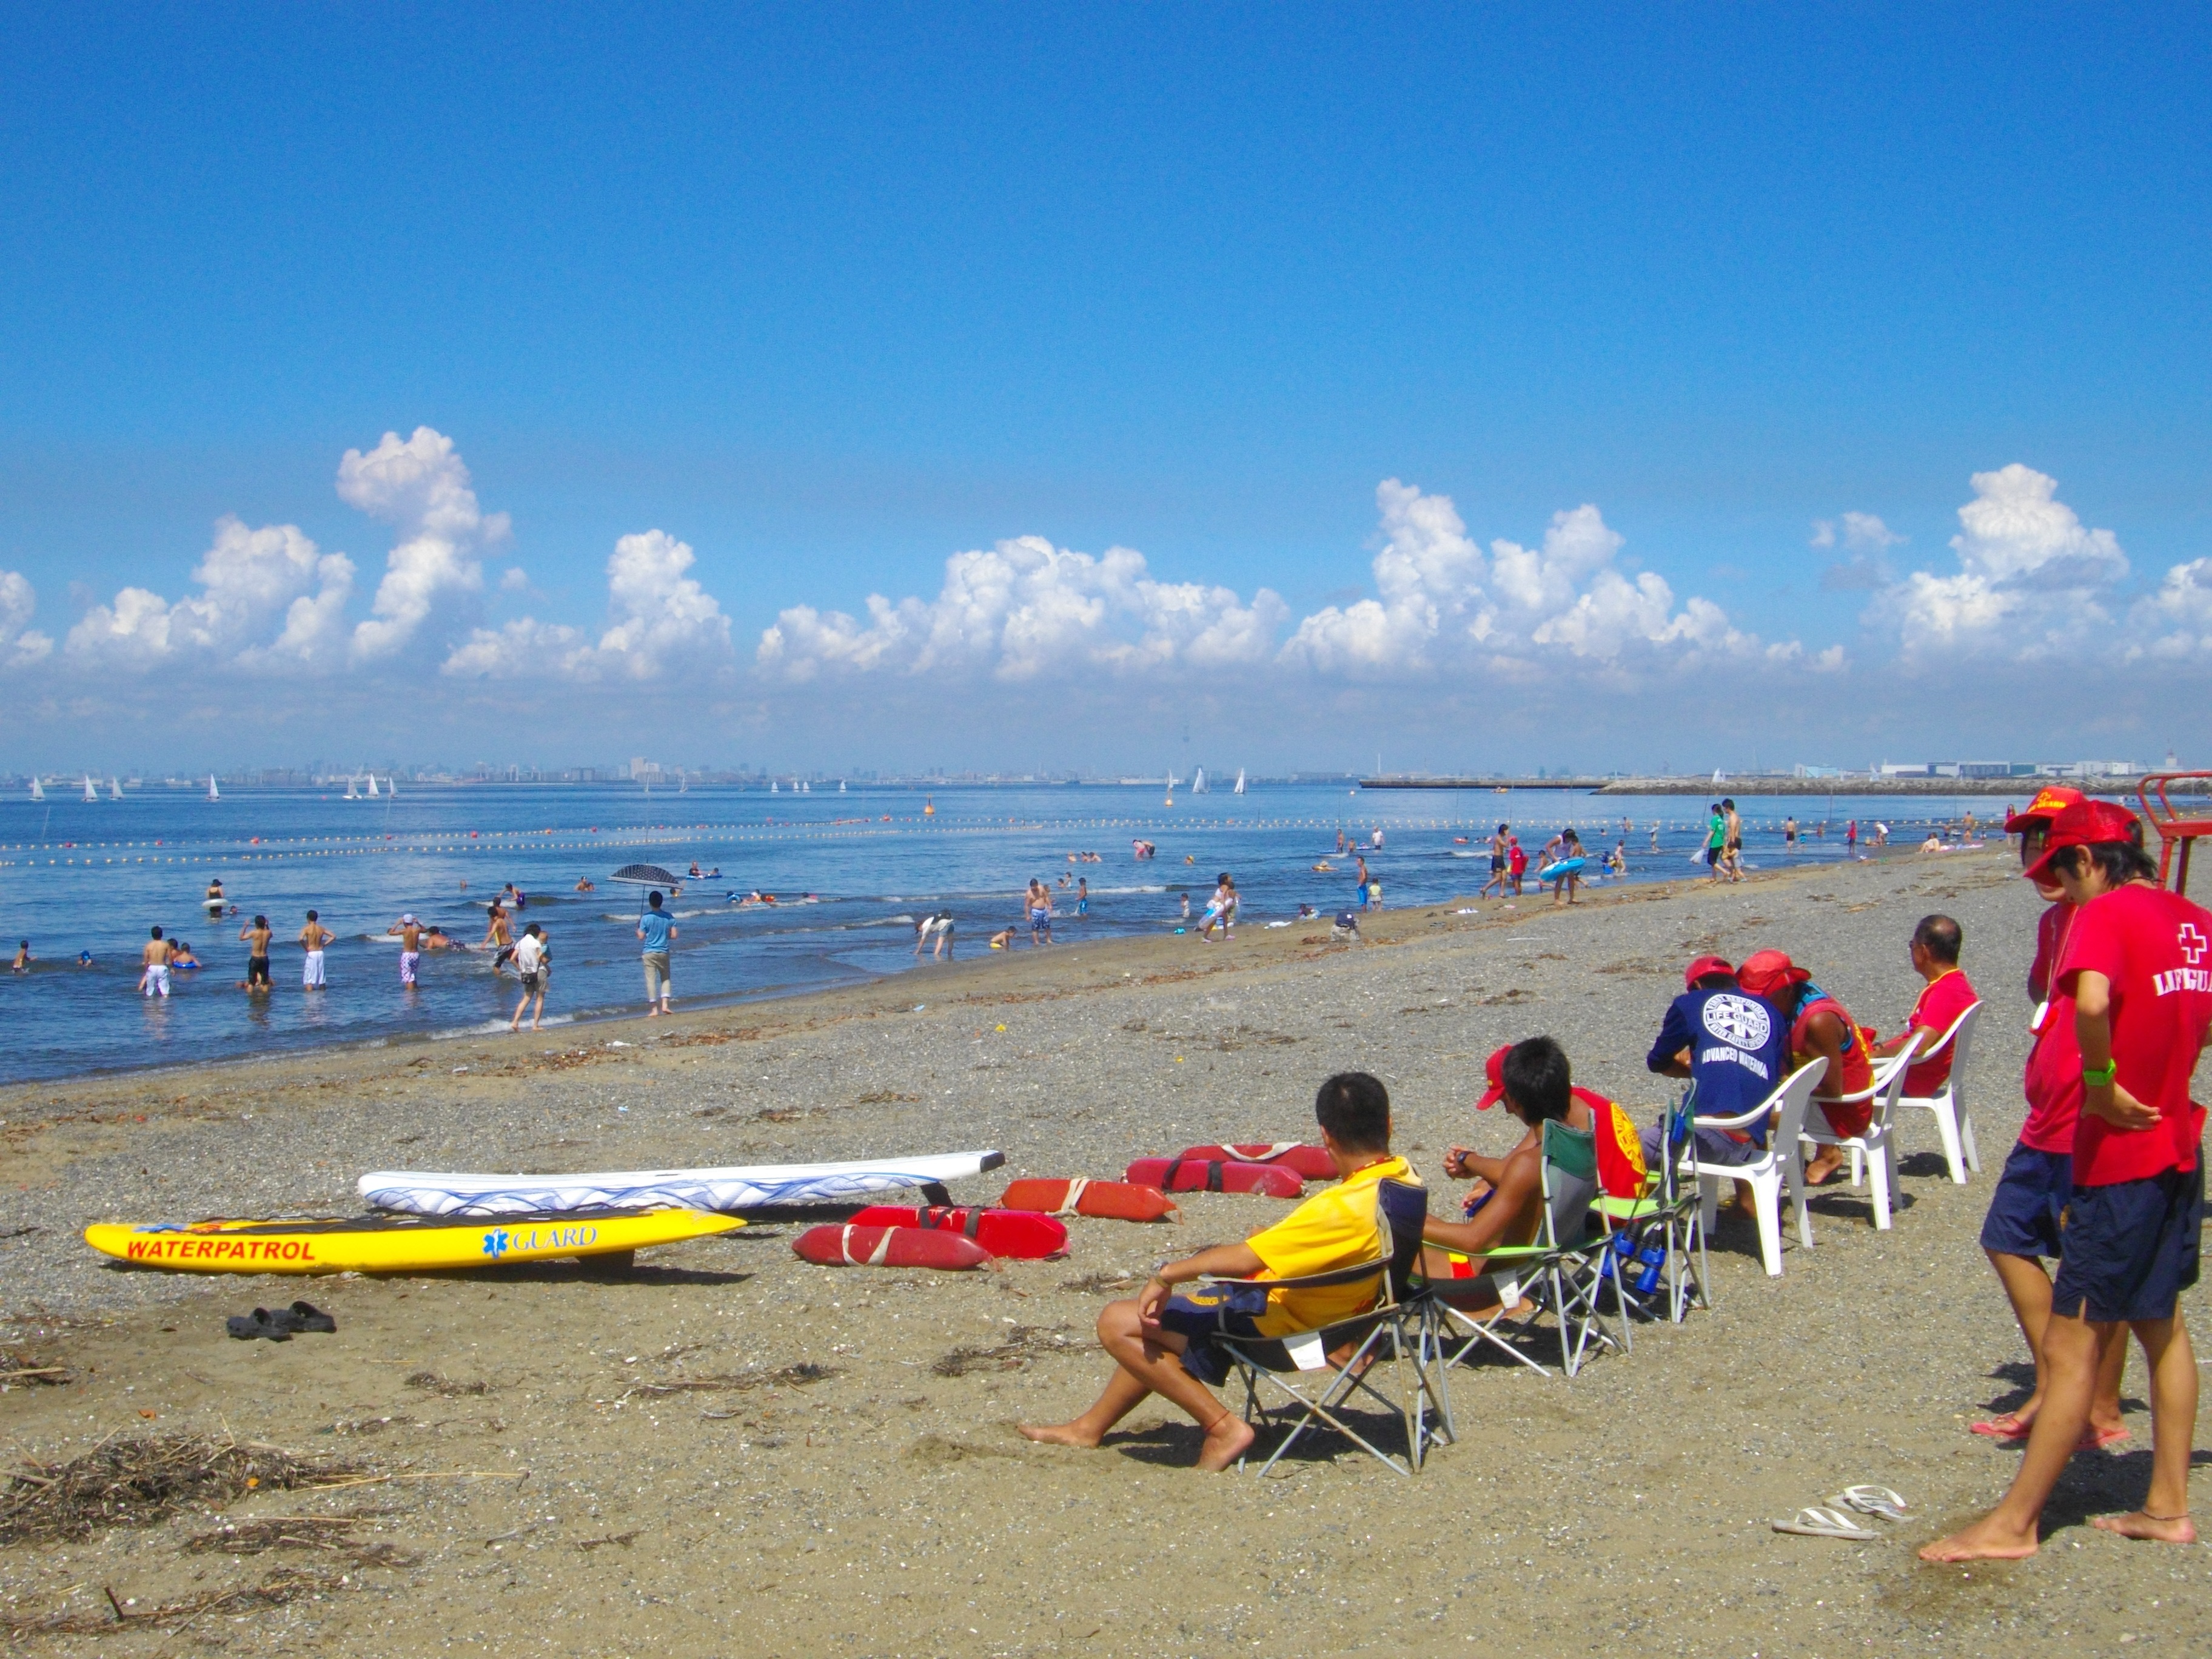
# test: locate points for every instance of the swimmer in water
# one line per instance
(586, 886)
(1003, 939)
(256, 935)
(22, 962)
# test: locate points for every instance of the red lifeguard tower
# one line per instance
(2177, 829)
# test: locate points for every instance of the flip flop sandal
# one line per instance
(1873, 1500)
(2098, 1439)
(1825, 1523)
(2007, 1427)
(306, 1317)
(258, 1324)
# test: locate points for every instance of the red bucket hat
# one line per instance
(1702, 966)
(1764, 972)
(2048, 803)
(2085, 823)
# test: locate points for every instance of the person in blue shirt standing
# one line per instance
(1732, 1047)
(656, 930)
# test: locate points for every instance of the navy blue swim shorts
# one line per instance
(2031, 1195)
(2131, 1248)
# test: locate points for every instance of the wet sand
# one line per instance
(888, 1507)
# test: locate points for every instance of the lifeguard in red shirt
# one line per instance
(2138, 965)
(2021, 1229)
(1945, 994)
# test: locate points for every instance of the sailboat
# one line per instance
(1239, 789)
(214, 794)
(772, 788)
(372, 785)
(115, 789)
(349, 793)
(90, 792)
(1171, 800)
(1198, 782)
(391, 784)
(841, 785)
(38, 789)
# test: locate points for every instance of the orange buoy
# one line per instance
(1111, 1200)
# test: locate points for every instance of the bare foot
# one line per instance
(2158, 1528)
(1985, 1540)
(1226, 1442)
(1817, 1171)
(1059, 1434)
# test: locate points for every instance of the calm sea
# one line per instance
(850, 872)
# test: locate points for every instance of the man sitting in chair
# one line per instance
(1819, 1025)
(1507, 1205)
(1732, 1046)
(1164, 1342)
(1945, 994)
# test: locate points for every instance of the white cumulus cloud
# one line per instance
(1441, 602)
(663, 621)
(1024, 609)
(420, 486)
(1866, 538)
(2032, 580)
(246, 579)
(20, 644)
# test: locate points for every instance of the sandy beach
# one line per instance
(849, 1480)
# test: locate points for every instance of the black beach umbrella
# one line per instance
(645, 875)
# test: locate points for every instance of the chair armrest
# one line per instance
(1742, 1120)
(1310, 1281)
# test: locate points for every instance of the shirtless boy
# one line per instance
(410, 948)
(256, 935)
(312, 937)
(155, 982)
(1507, 1205)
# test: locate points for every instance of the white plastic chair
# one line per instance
(1952, 1121)
(1782, 1162)
(1874, 1153)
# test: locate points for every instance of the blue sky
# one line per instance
(823, 298)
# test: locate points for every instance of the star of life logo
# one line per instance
(1742, 1022)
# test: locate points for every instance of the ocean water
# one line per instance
(849, 871)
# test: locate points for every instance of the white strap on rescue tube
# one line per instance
(1075, 1189)
(874, 1258)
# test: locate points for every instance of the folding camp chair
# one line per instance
(1767, 1176)
(1873, 1153)
(1949, 1103)
(1670, 1208)
(1566, 1268)
(1401, 1327)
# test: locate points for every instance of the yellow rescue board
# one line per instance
(401, 1243)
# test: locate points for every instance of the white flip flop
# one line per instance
(1873, 1500)
(1825, 1523)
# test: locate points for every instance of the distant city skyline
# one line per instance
(1018, 392)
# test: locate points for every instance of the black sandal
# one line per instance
(306, 1317)
(258, 1324)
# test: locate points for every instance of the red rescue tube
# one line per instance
(1112, 1200)
(1021, 1233)
(1194, 1175)
(888, 1247)
(1313, 1163)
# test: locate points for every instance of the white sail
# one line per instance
(1198, 782)
(841, 785)
(372, 785)
(391, 784)
(214, 794)
(38, 789)
(115, 789)
(1240, 782)
(90, 793)
(772, 788)
(349, 793)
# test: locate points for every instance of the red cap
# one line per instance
(1764, 972)
(2048, 803)
(1702, 966)
(1494, 1069)
(2085, 823)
